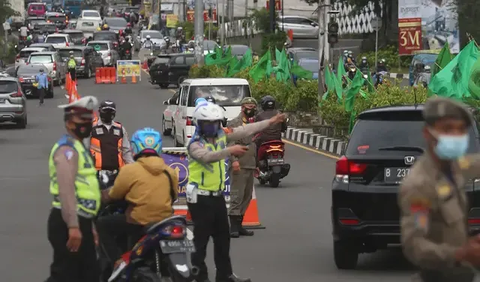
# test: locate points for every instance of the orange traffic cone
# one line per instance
(134, 79)
(145, 65)
(251, 220)
(124, 79)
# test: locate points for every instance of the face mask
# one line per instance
(451, 147)
(210, 130)
(249, 112)
(83, 130)
(107, 117)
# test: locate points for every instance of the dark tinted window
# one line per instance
(65, 53)
(26, 54)
(56, 39)
(91, 14)
(190, 61)
(386, 131)
(116, 22)
(179, 60)
(8, 86)
(162, 60)
(57, 18)
(306, 55)
(224, 95)
(105, 36)
(75, 35)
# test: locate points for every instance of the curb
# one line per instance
(317, 141)
(399, 75)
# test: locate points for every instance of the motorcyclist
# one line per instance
(28, 41)
(345, 56)
(128, 29)
(423, 77)
(148, 42)
(105, 27)
(269, 110)
(364, 67)
(351, 58)
(126, 45)
(148, 185)
(381, 67)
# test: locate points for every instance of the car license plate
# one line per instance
(275, 161)
(177, 246)
(395, 174)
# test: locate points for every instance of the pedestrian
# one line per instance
(206, 182)
(42, 85)
(71, 65)
(434, 206)
(76, 198)
(241, 170)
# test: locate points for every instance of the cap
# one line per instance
(83, 106)
(437, 108)
(249, 100)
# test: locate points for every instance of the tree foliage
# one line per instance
(6, 11)
(260, 19)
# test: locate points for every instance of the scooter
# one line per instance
(271, 163)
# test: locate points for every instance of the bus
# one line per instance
(73, 6)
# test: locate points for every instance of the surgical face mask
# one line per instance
(450, 147)
(107, 117)
(210, 129)
(83, 130)
(249, 112)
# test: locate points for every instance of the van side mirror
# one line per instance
(167, 102)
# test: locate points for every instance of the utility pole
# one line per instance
(198, 26)
(321, 45)
(222, 22)
(179, 10)
(271, 6)
(326, 16)
(160, 15)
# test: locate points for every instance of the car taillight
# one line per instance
(83, 62)
(54, 66)
(18, 94)
(344, 168)
(17, 57)
(84, 40)
(21, 79)
(115, 44)
(349, 221)
(66, 44)
(49, 21)
(189, 121)
(109, 54)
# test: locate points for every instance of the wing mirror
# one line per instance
(167, 102)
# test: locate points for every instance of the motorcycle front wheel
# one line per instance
(145, 274)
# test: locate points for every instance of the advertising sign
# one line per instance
(278, 5)
(172, 20)
(191, 15)
(179, 163)
(128, 68)
(439, 24)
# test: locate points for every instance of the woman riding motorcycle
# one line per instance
(149, 187)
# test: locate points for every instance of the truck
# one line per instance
(19, 7)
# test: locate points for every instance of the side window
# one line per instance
(190, 61)
(180, 60)
(175, 97)
(184, 98)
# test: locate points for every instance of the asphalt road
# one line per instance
(295, 246)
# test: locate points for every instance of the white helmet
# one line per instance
(209, 112)
(148, 36)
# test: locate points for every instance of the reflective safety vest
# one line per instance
(210, 177)
(106, 146)
(87, 187)
(71, 64)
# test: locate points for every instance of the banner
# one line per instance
(128, 68)
(206, 18)
(172, 20)
(278, 5)
(179, 163)
(439, 24)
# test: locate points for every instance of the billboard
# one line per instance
(432, 22)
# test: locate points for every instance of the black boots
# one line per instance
(233, 278)
(236, 228)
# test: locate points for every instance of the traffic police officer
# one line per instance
(207, 152)
(242, 171)
(433, 203)
(76, 198)
(71, 65)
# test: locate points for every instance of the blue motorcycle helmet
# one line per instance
(146, 141)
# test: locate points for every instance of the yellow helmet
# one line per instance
(99, 29)
(105, 26)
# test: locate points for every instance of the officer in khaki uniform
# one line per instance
(242, 171)
(433, 203)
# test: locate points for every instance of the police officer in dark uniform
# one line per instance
(432, 199)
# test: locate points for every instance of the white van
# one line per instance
(227, 92)
(88, 25)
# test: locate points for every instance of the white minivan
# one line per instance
(227, 92)
(59, 40)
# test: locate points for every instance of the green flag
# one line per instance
(243, 63)
(371, 86)
(474, 81)
(353, 90)
(229, 72)
(262, 68)
(340, 70)
(452, 81)
(328, 82)
(444, 57)
(300, 72)
(282, 69)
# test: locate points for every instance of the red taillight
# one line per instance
(177, 230)
(349, 221)
(84, 40)
(474, 221)
(189, 121)
(83, 62)
(346, 167)
(17, 57)
(54, 66)
(21, 79)
(66, 44)
(109, 54)
(18, 94)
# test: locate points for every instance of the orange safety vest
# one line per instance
(102, 136)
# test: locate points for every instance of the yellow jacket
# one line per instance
(145, 185)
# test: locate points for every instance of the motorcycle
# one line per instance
(127, 55)
(352, 70)
(164, 251)
(378, 77)
(271, 163)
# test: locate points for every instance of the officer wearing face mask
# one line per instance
(434, 206)
(75, 198)
(109, 143)
(242, 170)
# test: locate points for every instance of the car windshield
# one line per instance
(29, 70)
(209, 45)
(239, 50)
(105, 36)
(397, 131)
(26, 53)
(306, 55)
(65, 53)
(46, 27)
(56, 39)
(75, 35)
(37, 21)
(224, 95)
(8, 86)
(310, 65)
(56, 18)
(40, 59)
(153, 35)
(98, 46)
(116, 22)
(91, 14)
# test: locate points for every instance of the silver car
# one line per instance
(302, 27)
(23, 55)
(13, 103)
(109, 55)
(155, 36)
(56, 67)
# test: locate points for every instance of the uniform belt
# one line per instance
(209, 193)
(89, 204)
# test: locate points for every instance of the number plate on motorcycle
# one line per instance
(177, 246)
(275, 161)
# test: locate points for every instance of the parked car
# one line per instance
(106, 36)
(60, 20)
(59, 40)
(47, 46)
(302, 27)
(295, 54)
(55, 65)
(384, 144)
(90, 15)
(228, 93)
(171, 69)
(26, 76)
(110, 56)
(13, 103)
(77, 36)
(23, 55)
(86, 58)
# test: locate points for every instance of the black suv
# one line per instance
(171, 69)
(384, 144)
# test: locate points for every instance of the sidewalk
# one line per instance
(305, 136)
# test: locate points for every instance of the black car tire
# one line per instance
(163, 85)
(166, 131)
(345, 254)
(22, 123)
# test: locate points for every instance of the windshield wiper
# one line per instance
(402, 148)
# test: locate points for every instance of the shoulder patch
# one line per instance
(68, 154)
(65, 140)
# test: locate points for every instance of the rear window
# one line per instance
(91, 14)
(56, 18)
(75, 35)
(42, 59)
(392, 135)
(65, 53)
(37, 7)
(56, 39)
(224, 95)
(105, 36)
(88, 24)
(26, 54)
(8, 86)
(99, 46)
